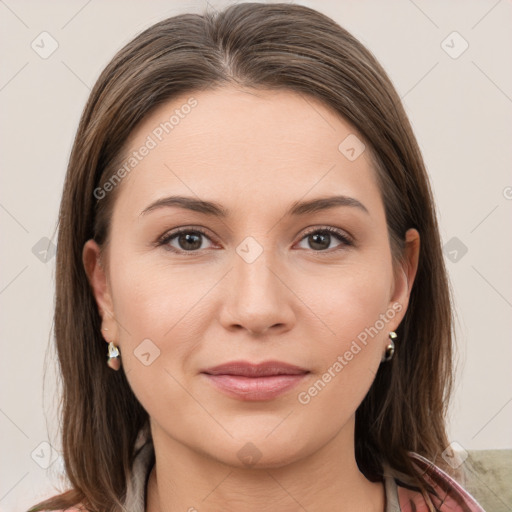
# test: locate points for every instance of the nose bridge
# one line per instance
(257, 298)
(253, 261)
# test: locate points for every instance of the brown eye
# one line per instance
(184, 240)
(321, 239)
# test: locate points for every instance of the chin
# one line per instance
(261, 452)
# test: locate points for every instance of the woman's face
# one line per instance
(261, 281)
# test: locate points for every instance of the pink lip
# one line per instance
(255, 388)
(247, 381)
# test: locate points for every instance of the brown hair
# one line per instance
(251, 45)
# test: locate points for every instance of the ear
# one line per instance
(97, 276)
(405, 274)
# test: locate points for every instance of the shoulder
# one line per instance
(447, 494)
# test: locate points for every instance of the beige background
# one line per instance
(460, 108)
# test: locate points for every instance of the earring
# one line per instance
(390, 349)
(113, 357)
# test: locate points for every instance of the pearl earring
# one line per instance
(113, 356)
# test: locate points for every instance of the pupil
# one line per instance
(190, 239)
(318, 238)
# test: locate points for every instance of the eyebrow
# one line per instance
(215, 209)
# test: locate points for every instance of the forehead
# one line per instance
(245, 146)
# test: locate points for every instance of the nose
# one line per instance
(257, 297)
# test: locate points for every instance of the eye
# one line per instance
(191, 240)
(320, 239)
(187, 240)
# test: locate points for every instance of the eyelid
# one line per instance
(168, 235)
(330, 229)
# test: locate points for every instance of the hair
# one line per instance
(260, 46)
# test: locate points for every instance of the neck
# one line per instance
(185, 480)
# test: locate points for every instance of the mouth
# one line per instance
(248, 369)
(250, 382)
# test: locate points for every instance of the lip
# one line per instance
(248, 369)
(247, 381)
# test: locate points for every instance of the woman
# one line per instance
(247, 230)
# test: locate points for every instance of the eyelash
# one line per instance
(167, 237)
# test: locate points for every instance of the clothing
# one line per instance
(452, 497)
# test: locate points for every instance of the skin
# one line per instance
(295, 303)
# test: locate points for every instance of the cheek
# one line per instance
(160, 319)
(355, 312)
(154, 299)
(346, 363)
(353, 299)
